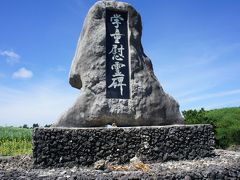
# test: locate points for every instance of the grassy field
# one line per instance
(15, 141)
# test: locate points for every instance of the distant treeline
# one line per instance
(34, 126)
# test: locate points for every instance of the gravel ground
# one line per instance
(226, 165)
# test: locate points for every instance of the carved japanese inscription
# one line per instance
(117, 59)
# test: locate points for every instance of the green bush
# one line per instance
(226, 124)
(197, 117)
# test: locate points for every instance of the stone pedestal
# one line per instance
(84, 146)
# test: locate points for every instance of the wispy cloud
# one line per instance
(199, 77)
(212, 95)
(42, 102)
(230, 103)
(22, 73)
(11, 56)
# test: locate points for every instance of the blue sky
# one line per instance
(194, 47)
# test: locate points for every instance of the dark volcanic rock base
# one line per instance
(225, 165)
(84, 146)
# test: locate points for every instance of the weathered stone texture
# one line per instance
(149, 105)
(84, 146)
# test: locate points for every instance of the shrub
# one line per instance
(226, 124)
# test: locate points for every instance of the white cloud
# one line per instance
(11, 56)
(22, 73)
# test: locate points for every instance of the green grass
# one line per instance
(226, 123)
(15, 141)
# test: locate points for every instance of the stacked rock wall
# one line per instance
(84, 146)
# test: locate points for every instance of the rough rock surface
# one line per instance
(148, 105)
(85, 146)
(226, 165)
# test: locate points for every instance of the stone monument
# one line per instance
(114, 75)
(118, 87)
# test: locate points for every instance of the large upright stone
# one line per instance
(148, 104)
